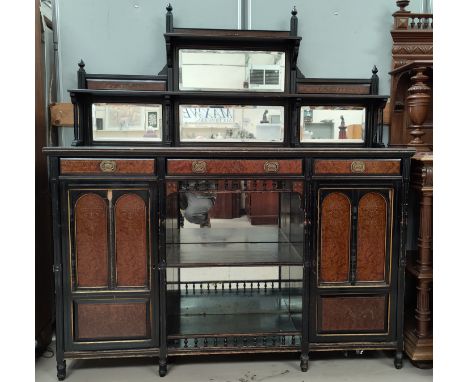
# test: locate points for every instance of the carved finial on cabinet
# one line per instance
(293, 26)
(374, 81)
(81, 75)
(169, 18)
(402, 4)
(418, 101)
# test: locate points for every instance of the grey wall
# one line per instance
(126, 36)
(340, 38)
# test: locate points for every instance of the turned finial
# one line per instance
(169, 19)
(293, 25)
(81, 75)
(374, 81)
(402, 4)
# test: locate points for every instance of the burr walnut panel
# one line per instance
(91, 235)
(357, 167)
(371, 239)
(107, 166)
(131, 241)
(126, 85)
(351, 314)
(333, 88)
(234, 167)
(335, 229)
(111, 320)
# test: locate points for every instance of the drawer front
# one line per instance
(356, 167)
(107, 166)
(234, 167)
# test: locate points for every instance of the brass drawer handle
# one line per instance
(271, 166)
(199, 166)
(108, 166)
(358, 166)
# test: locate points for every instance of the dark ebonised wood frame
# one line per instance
(170, 101)
(312, 183)
(363, 92)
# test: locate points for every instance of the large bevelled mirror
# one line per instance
(126, 122)
(333, 124)
(231, 123)
(231, 70)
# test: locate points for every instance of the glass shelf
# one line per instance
(237, 311)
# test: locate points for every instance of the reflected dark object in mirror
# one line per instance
(265, 118)
(197, 200)
(342, 127)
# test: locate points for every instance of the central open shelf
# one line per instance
(238, 311)
(232, 247)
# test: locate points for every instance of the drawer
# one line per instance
(107, 166)
(357, 167)
(234, 167)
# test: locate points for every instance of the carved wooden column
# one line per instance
(418, 103)
(412, 49)
(418, 327)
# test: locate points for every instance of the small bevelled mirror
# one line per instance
(231, 70)
(231, 123)
(126, 122)
(333, 124)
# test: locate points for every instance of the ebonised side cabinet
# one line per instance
(190, 219)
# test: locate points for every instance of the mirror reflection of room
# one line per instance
(219, 70)
(332, 123)
(234, 218)
(231, 123)
(126, 122)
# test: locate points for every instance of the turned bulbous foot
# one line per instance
(398, 362)
(162, 369)
(61, 370)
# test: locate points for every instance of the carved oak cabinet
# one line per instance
(254, 213)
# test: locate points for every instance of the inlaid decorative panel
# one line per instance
(356, 313)
(371, 240)
(107, 166)
(357, 167)
(91, 241)
(109, 320)
(335, 232)
(131, 241)
(235, 167)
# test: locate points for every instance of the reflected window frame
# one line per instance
(284, 136)
(240, 48)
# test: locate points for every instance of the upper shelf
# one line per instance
(202, 95)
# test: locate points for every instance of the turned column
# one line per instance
(418, 101)
(424, 261)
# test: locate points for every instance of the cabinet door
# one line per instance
(352, 291)
(110, 280)
(354, 236)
